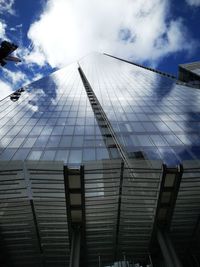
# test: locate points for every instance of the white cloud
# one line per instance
(12, 80)
(69, 29)
(193, 2)
(34, 57)
(15, 77)
(6, 6)
(16, 28)
(19, 25)
(12, 29)
(5, 89)
(2, 30)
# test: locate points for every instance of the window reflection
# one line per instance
(53, 118)
(159, 113)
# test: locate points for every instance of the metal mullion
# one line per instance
(101, 187)
(17, 197)
(16, 219)
(139, 198)
(100, 236)
(148, 188)
(97, 204)
(137, 204)
(102, 211)
(139, 192)
(50, 203)
(44, 171)
(188, 197)
(49, 185)
(16, 212)
(101, 207)
(136, 216)
(10, 172)
(45, 197)
(102, 223)
(144, 170)
(98, 197)
(105, 171)
(193, 169)
(98, 229)
(179, 201)
(53, 209)
(10, 209)
(99, 217)
(50, 211)
(106, 190)
(144, 177)
(188, 208)
(101, 214)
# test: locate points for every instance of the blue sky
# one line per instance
(54, 33)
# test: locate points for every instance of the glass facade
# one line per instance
(53, 118)
(148, 111)
(97, 112)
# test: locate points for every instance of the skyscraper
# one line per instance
(121, 121)
(53, 118)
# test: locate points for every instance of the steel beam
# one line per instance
(169, 188)
(168, 251)
(75, 247)
(119, 210)
(75, 207)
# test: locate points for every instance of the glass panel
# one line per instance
(35, 155)
(75, 156)
(62, 155)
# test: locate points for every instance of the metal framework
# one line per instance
(75, 204)
(33, 219)
(52, 215)
(185, 221)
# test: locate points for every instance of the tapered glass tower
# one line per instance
(147, 112)
(128, 127)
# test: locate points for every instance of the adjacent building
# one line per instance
(190, 73)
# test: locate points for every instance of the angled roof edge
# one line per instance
(194, 63)
(147, 68)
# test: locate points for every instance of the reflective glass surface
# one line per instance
(52, 120)
(148, 111)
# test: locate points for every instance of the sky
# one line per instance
(53, 33)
